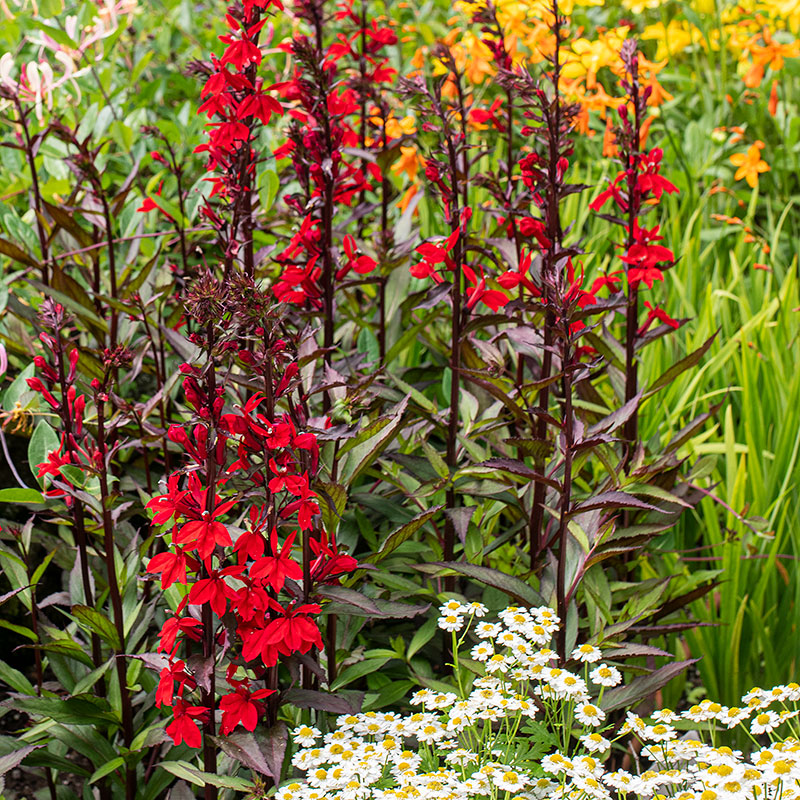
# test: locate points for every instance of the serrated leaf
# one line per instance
(360, 605)
(612, 501)
(643, 686)
(13, 759)
(68, 648)
(681, 366)
(272, 743)
(322, 701)
(243, 747)
(512, 586)
(402, 534)
(97, 623)
(520, 468)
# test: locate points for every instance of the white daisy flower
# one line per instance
(587, 653)
(603, 675)
(658, 733)
(595, 743)
(765, 722)
(305, 736)
(487, 630)
(509, 781)
(474, 609)
(589, 714)
(451, 622)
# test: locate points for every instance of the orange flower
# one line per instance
(750, 164)
(773, 98)
(609, 140)
(408, 162)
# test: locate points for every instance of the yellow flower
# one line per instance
(750, 164)
(639, 6)
(677, 36)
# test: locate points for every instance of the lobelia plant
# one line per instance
(252, 599)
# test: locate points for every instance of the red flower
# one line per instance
(513, 278)
(361, 264)
(642, 257)
(172, 566)
(306, 507)
(275, 569)
(205, 533)
(650, 180)
(433, 254)
(477, 291)
(295, 632)
(54, 463)
(528, 226)
(490, 115)
(653, 313)
(259, 105)
(166, 505)
(240, 708)
(165, 693)
(614, 190)
(184, 728)
(329, 562)
(213, 590)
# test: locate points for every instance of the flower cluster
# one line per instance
(240, 570)
(236, 102)
(328, 95)
(478, 744)
(241, 518)
(635, 191)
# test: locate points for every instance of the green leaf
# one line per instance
(368, 444)
(359, 670)
(388, 695)
(68, 648)
(21, 630)
(643, 686)
(15, 679)
(108, 767)
(39, 571)
(436, 461)
(84, 710)
(98, 624)
(268, 185)
(421, 637)
(513, 587)
(21, 496)
(402, 534)
(19, 387)
(185, 771)
(681, 366)
(45, 758)
(43, 442)
(87, 681)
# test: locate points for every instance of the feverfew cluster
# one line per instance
(460, 745)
